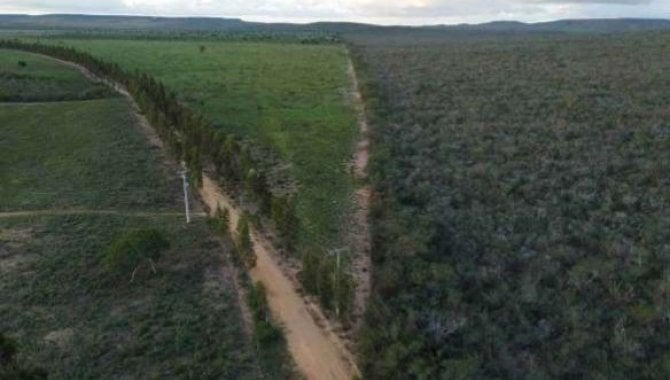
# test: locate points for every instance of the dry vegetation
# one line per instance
(521, 229)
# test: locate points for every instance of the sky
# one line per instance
(409, 12)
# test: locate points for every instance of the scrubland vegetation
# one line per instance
(29, 77)
(134, 292)
(521, 226)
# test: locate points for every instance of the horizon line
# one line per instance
(249, 19)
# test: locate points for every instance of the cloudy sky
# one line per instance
(375, 11)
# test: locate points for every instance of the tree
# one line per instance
(243, 243)
(9, 368)
(282, 212)
(223, 219)
(131, 250)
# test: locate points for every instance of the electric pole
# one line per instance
(337, 253)
(184, 179)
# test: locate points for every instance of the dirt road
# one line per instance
(316, 349)
(318, 352)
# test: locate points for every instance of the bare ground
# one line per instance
(361, 240)
(316, 348)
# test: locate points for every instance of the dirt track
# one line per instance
(23, 213)
(362, 262)
(318, 352)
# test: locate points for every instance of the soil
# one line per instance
(316, 348)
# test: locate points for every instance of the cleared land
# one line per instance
(58, 155)
(292, 97)
(70, 314)
(29, 77)
(521, 228)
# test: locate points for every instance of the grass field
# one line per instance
(521, 229)
(30, 77)
(71, 314)
(292, 97)
(79, 154)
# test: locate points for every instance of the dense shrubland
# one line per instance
(521, 226)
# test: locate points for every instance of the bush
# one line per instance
(10, 369)
(22, 64)
(243, 242)
(134, 248)
(222, 219)
(264, 330)
(7, 350)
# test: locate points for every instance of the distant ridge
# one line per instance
(65, 21)
(576, 25)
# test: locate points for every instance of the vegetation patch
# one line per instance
(162, 326)
(521, 228)
(61, 307)
(27, 77)
(133, 249)
(88, 154)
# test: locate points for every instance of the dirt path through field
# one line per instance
(142, 214)
(317, 350)
(362, 262)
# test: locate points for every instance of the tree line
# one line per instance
(237, 164)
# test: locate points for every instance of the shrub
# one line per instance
(9, 368)
(264, 330)
(243, 242)
(134, 248)
(222, 219)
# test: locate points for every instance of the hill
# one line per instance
(147, 23)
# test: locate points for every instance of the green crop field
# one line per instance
(292, 97)
(78, 154)
(72, 313)
(521, 225)
(30, 77)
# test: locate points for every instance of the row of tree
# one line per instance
(237, 164)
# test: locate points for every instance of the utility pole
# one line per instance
(184, 179)
(337, 252)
